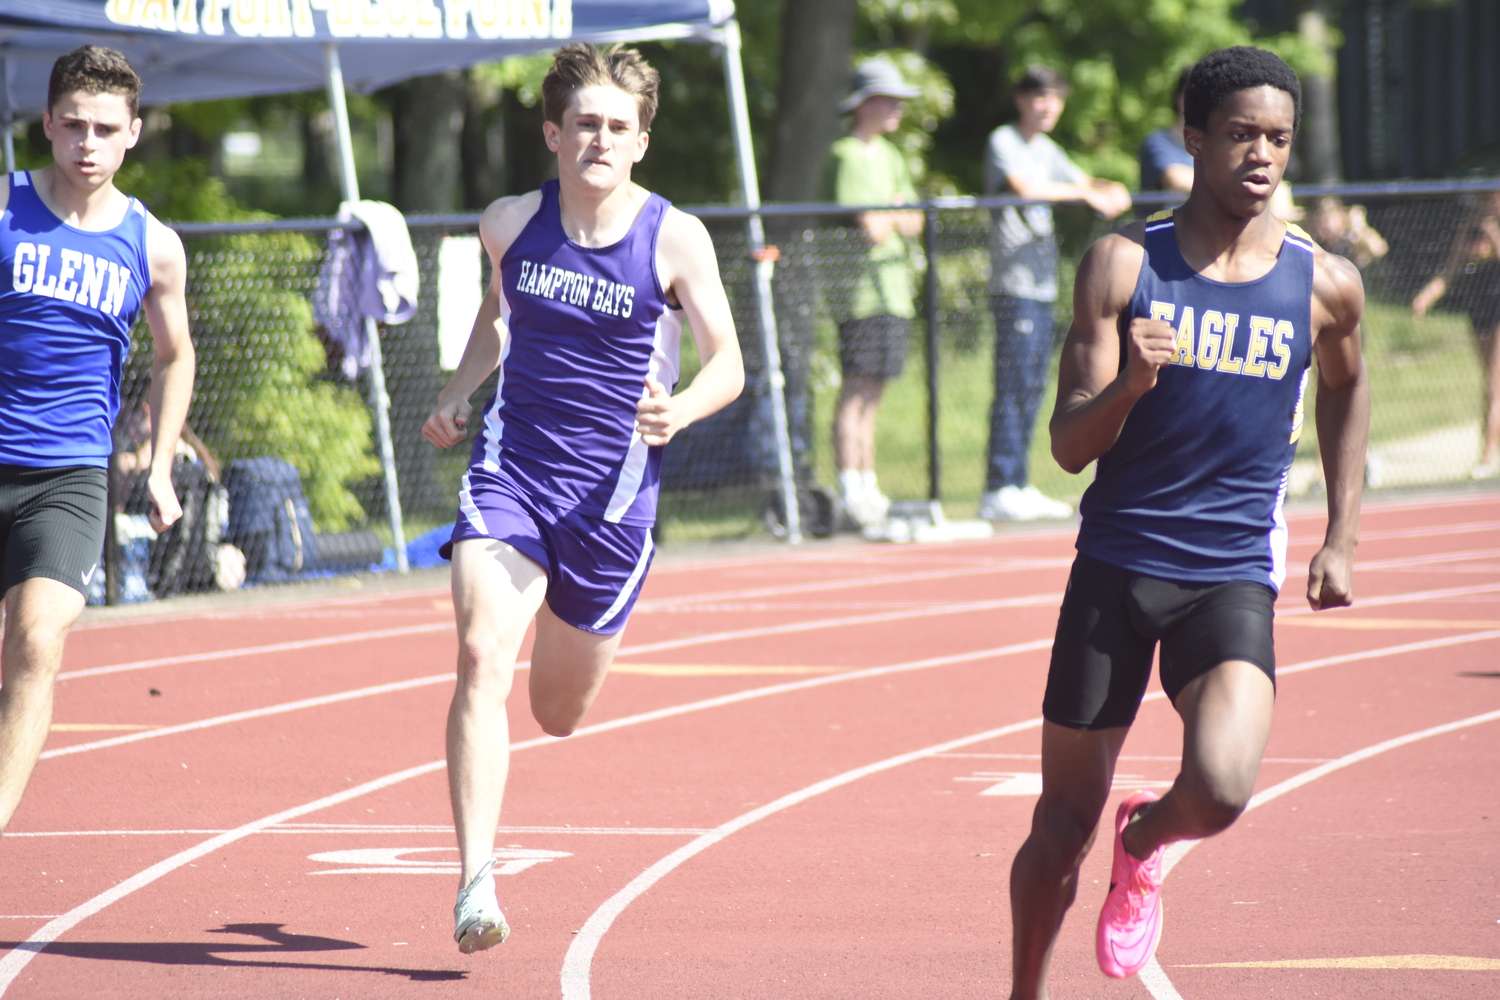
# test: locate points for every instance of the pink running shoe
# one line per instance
(1130, 922)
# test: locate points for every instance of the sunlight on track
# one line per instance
(1153, 976)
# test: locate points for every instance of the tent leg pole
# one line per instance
(380, 400)
(739, 113)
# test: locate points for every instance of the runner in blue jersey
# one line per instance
(593, 277)
(79, 261)
(1183, 375)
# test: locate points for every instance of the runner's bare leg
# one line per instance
(38, 614)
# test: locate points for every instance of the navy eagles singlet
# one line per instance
(68, 298)
(587, 324)
(1193, 488)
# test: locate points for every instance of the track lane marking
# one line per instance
(579, 959)
(1153, 976)
(17, 959)
(379, 689)
(651, 647)
(1023, 601)
(12, 963)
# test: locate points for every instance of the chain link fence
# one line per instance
(273, 384)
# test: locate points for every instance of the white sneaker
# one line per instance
(1047, 506)
(1013, 503)
(478, 922)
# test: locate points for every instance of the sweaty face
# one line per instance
(600, 137)
(1242, 153)
(90, 134)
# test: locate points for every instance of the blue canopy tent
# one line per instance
(197, 50)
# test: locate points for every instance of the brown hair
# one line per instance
(94, 69)
(582, 65)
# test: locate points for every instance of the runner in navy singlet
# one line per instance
(1183, 375)
(79, 261)
(593, 278)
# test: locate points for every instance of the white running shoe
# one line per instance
(478, 922)
(1014, 503)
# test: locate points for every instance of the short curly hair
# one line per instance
(94, 69)
(1228, 71)
(582, 65)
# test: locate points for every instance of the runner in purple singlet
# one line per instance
(593, 277)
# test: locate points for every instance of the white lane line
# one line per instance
(253, 713)
(817, 586)
(1153, 976)
(580, 957)
(275, 647)
(750, 633)
(16, 960)
(1437, 529)
(1383, 599)
(303, 829)
(747, 633)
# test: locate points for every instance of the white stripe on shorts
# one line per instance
(630, 585)
(470, 509)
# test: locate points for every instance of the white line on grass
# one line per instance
(1153, 976)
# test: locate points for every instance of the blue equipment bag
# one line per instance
(269, 519)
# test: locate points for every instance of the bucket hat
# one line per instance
(876, 78)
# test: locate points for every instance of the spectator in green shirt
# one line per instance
(864, 168)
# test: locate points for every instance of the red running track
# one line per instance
(807, 779)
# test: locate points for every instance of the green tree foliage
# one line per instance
(1122, 56)
(258, 388)
(259, 391)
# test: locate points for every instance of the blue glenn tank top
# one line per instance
(587, 325)
(1193, 488)
(68, 298)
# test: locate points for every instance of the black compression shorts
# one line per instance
(1111, 621)
(51, 524)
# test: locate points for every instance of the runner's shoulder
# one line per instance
(1337, 283)
(1115, 260)
(505, 217)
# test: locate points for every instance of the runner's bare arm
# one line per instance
(1343, 417)
(501, 224)
(690, 271)
(1094, 394)
(172, 369)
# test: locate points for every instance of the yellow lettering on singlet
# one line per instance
(1228, 364)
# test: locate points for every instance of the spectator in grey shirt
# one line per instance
(1022, 160)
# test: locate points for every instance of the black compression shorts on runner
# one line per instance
(51, 524)
(1111, 621)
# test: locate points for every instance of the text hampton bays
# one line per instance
(576, 289)
(490, 19)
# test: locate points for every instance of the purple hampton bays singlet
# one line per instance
(68, 298)
(587, 325)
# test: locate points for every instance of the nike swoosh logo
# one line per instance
(89, 575)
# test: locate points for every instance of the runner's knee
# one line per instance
(485, 663)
